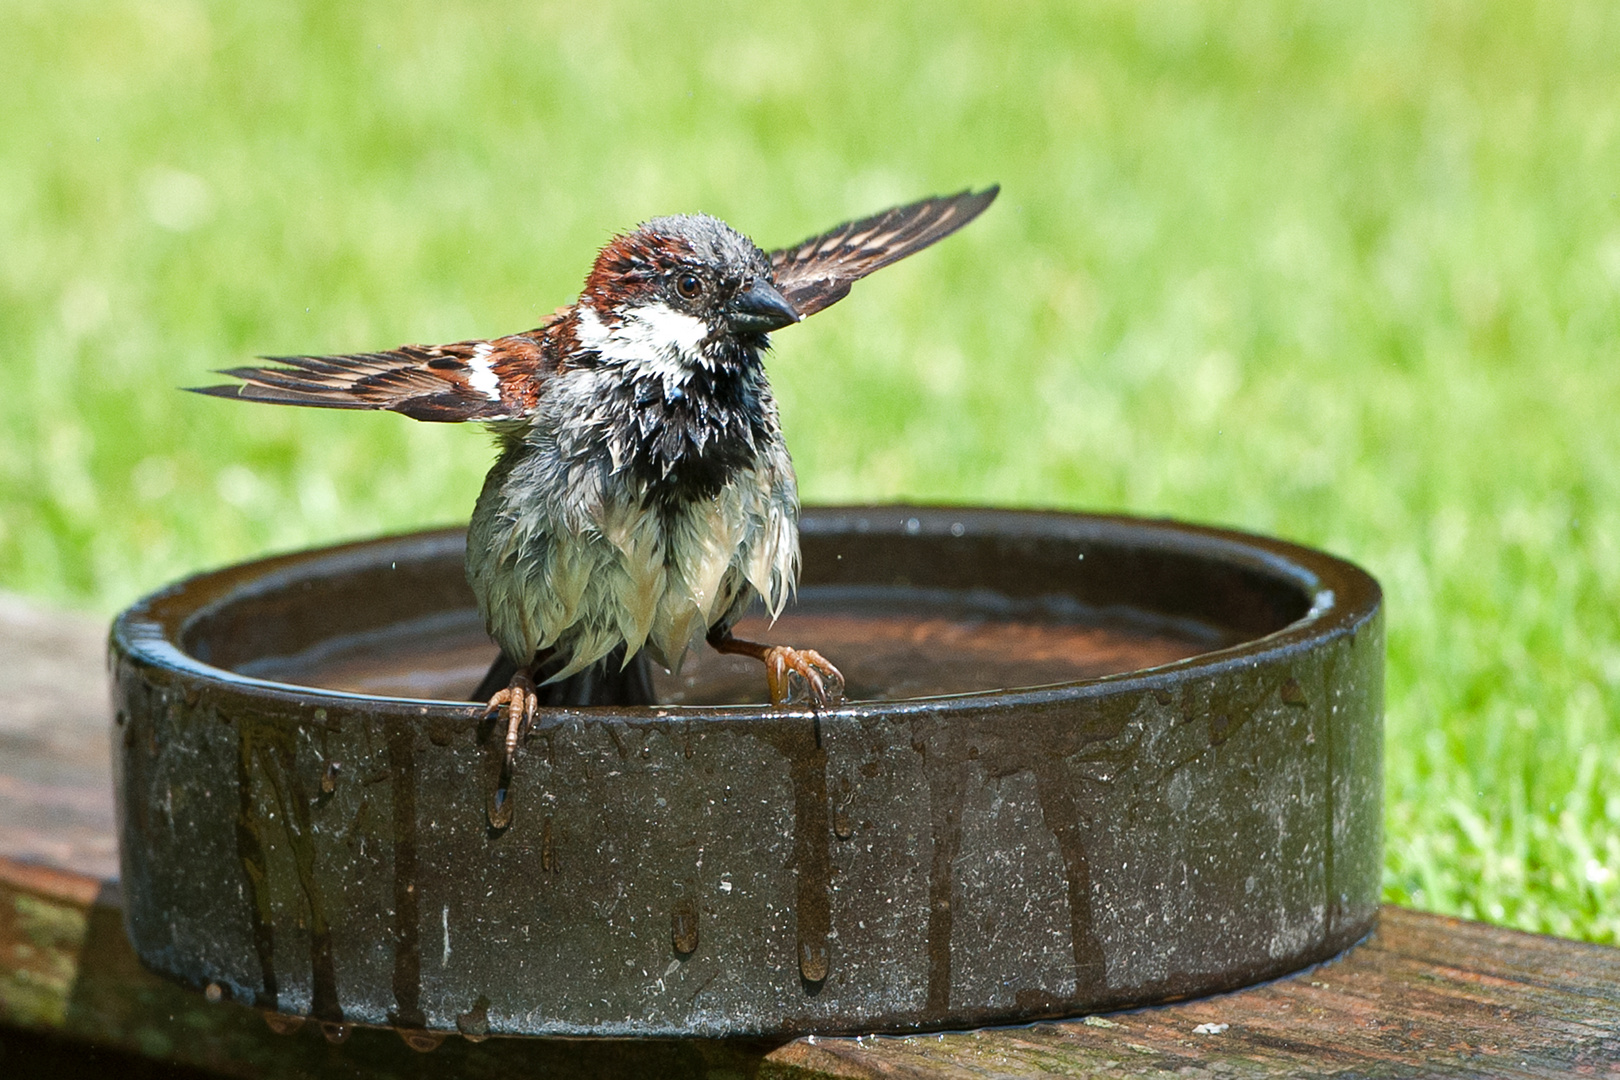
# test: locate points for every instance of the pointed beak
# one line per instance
(759, 309)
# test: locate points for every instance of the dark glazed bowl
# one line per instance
(1094, 762)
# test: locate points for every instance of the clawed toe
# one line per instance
(520, 702)
(796, 674)
(791, 674)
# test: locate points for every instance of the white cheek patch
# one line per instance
(482, 377)
(665, 328)
(589, 329)
(654, 339)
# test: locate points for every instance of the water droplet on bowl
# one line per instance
(683, 927)
(423, 1042)
(814, 961)
(474, 1023)
(282, 1023)
(334, 1032)
(501, 808)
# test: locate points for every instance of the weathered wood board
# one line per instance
(1425, 996)
(56, 804)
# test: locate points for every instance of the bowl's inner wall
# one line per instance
(906, 612)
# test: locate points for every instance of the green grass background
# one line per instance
(1349, 274)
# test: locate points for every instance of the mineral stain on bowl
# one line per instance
(1086, 762)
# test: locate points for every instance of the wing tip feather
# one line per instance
(850, 251)
(225, 390)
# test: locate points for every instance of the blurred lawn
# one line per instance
(1347, 276)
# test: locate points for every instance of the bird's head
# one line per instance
(686, 291)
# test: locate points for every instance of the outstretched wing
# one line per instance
(818, 272)
(468, 380)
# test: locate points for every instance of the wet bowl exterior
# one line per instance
(889, 866)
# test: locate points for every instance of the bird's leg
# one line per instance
(784, 665)
(519, 702)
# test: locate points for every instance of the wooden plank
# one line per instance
(67, 971)
(1492, 951)
(56, 803)
(1385, 1009)
(1396, 1006)
(1426, 996)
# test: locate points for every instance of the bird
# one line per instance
(642, 496)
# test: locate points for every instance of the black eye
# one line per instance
(689, 286)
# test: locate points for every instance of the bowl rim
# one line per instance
(1342, 598)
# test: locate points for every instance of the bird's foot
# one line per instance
(794, 674)
(519, 702)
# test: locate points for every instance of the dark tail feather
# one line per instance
(606, 682)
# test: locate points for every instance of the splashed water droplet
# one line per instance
(814, 962)
(843, 828)
(215, 993)
(334, 1032)
(683, 927)
(330, 777)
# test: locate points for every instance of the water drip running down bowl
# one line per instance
(1087, 762)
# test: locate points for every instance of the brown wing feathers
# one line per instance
(819, 271)
(469, 380)
(500, 380)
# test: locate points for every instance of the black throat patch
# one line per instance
(687, 441)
